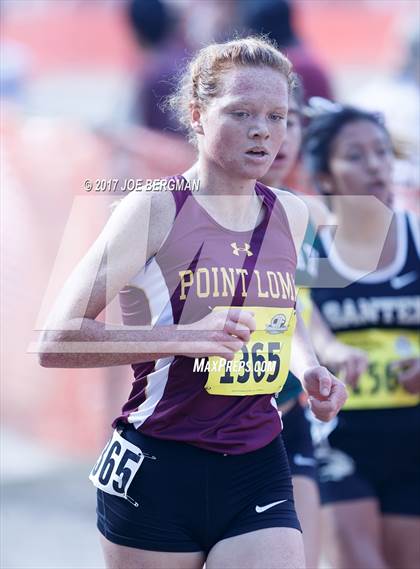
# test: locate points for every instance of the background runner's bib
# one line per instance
(261, 367)
(379, 387)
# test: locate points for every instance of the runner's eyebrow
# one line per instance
(240, 102)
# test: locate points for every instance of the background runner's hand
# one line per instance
(349, 362)
(327, 394)
(408, 374)
(221, 333)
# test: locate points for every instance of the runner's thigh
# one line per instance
(352, 534)
(271, 548)
(401, 541)
(122, 557)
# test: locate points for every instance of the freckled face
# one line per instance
(244, 126)
(361, 160)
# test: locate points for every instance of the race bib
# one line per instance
(261, 367)
(379, 387)
(116, 467)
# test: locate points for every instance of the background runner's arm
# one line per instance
(320, 332)
(349, 361)
(326, 393)
(303, 354)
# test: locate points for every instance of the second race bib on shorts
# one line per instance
(116, 467)
(378, 387)
(261, 367)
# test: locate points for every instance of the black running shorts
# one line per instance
(190, 498)
(298, 442)
(374, 454)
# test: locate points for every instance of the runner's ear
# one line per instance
(196, 112)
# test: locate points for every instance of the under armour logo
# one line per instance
(246, 248)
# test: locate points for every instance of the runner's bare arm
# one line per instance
(327, 394)
(320, 214)
(73, 337)
(351, 362)
(303, 355)
(134, 233)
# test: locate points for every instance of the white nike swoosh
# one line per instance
(403, 280)
(261, 509)
(301, 460)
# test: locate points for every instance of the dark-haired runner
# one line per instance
(369, 296)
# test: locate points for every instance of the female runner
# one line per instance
(370, 476)
(196, 471)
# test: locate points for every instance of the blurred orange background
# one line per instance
(68, 71)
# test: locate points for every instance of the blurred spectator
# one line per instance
(158, 31)
(275, 18)
(171, 32)
(212, 20)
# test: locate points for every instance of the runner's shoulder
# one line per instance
(296, 211)
(319, 212)
(293, 204)
(142, 217)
